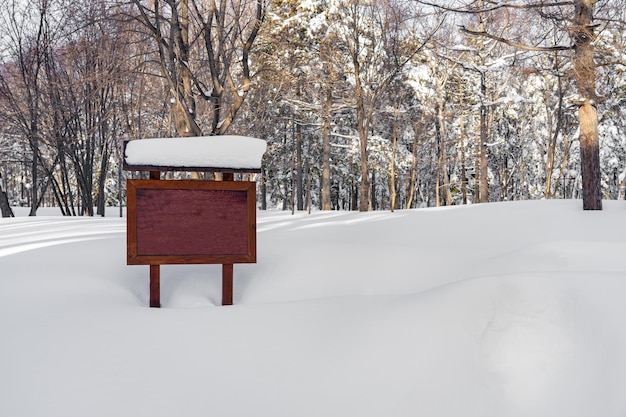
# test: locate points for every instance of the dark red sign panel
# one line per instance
(183, 222)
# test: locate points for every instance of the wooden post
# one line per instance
(227, 284)
(155, 286)
(155, 270)
(227, 269)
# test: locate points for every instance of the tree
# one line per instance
(576, 17)
(27, 38)
(204, 51)
(584, 68)
(379, 41)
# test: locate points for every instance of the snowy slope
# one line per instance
(508, 309)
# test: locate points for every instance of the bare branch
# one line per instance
(516, 44)
(498, 5)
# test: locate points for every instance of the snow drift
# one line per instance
(508, 309)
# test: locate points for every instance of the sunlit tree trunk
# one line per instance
(362, 128)
(584, 68)
(443, 181)
(326, 117)
(411, 187)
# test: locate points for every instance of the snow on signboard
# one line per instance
(225, 152)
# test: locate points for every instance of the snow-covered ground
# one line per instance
(508, 309)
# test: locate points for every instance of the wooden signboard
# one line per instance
(191, 222)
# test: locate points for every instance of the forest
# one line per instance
(365, 104)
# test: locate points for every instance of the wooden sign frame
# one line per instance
(191, 222)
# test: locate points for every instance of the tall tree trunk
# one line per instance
(443, 181)
(411, 188)
(34, 168)
(102, 175)
(392, 174)
(584, 68)
(590, 157)
(327, 103)
(299, 168)
(483, 182)
(554, 133)
(362, 120)
(183, 104)
(364, 191)
(462, 142)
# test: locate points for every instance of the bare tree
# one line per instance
(576, 17)
(27, 39)
(378, 41)
(190, 37)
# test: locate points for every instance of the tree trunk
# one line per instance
(584, 68)
(361, 119)
(462, 143)
(34, 169)
(102, 176)
(364, 200)
(554, 134)
(5, 208)
(374, 201)
(590, 157)
(327, 103)
(483, 181)
(443, 181)
(299, 169)
(411, 188)
(354, 194)
(263, 189)
(392, 175)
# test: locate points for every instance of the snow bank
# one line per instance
(492, 310)
(222, 152)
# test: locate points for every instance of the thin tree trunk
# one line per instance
(411, 190)
(299, 169)
(364, 197)
(392, 179)
(263, 189)
(34, 174)
(554, 136)
(373, 202)
(483, 182)
(564, 161)
(327, 102)
(443, 181)
(462, 142)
